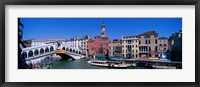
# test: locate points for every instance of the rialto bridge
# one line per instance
(37, 53)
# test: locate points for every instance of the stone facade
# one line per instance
(148, 44)
(130, 47)
(78, 43)
(27, 43)
(44, 41)
(115, 47)
(163, 46)
(175, 46)
(98, 45)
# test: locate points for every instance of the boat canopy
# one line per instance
(101, 57)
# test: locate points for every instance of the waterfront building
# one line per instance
(148, 45)
(77, 43)
(115, 47)
(163, 47)
(175, 46)
(27, 42)
(45, 41)
(98, 44)
(130, 47)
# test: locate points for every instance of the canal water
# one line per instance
(80, 64)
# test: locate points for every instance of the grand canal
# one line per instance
(80, 64)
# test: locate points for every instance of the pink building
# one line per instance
(115, 47)
(99, 44)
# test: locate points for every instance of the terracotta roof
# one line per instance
(101, 37)
(148, 33)
(115, 41)
(82, 38)
(129, 36)
(162, 38)
(90, 40)
(97, 36)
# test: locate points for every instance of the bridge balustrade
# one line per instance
(36, 52)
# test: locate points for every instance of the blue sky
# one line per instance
(39, 28)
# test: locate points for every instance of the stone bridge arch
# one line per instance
(30, 53)
(24, 55)
(36, 52)
(52, 48)
(42, 51)
(63, 48)
(47, 50)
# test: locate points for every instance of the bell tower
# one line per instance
(103, 30)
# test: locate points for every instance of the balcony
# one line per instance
(128, 52)
(143, 51)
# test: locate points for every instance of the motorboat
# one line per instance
(116, 64)
(98, 62)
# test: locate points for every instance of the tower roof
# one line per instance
(162, 38)
(103, 25)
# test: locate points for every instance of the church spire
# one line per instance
(103, 30)
(103, 25)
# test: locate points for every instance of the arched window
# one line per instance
(30, 53)
(149, 48)
(155, 41)
(156, 48)
(146, 42)
(36, 52)
(41, 51)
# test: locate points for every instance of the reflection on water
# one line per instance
(79, 64)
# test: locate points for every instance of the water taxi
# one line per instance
(105, 63)
(115, 64)
(98, 63)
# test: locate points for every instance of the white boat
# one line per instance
(114, 64)
(98, 63)
(133, 64)
(89, 62)
(105, 63)
(118, 65)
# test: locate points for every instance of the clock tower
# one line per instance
(103, 30)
